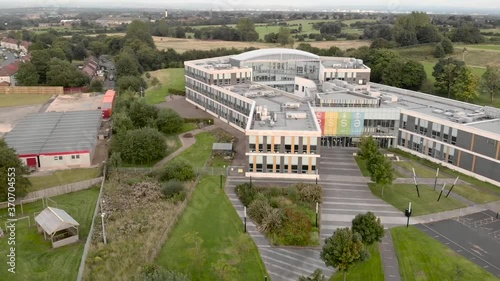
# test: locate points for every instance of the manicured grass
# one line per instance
(475, 195)
(198, 153)
(420, 170)
(22, 99)
(63, 177)
(423, 258)
(211, 215)
(36, 260)
(218, 161)
(485, 46)
(398, 195)
(172, 78)
(186, 127)
(362, 166)
(370, 270)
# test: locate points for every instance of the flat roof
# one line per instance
(489, 125)
(279, 104)
(54, 132)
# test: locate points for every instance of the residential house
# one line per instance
(91, 66)
(9, 43)
(7, 74)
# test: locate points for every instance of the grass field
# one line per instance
(212, 216)
(485, 46)
(63, 177)
(198, 153)
(398, 195)
(423, 258)
(420, 170)
(22, 99)
(181, 45)
(371, 270)
(172, 78)
(37, 260)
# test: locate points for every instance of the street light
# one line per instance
(245, 216)
(463, 54)
(317, 208)
(103, 230)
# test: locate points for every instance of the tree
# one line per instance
(246, 28)
(447, 45)
(177, 169)
(490, 81)
(142, 114)
(407, 74)
(343, 250)
(284, 37)
(63, 73)
(428, 34)
(317, 275)
(196, 253)
(378, 61)
(381, 171)
(169, 121)
(439, 51)
(41, 58)
(27, 75)
(9, 161)
(140, 146)
(122, 122)
(139, 30)
(446, 71)
(65, 45)
(369, 227)
(467, 33)
(96, 86)
(98, 48)
(115, 160)
(330, 28)
(367, 147)
(129, 82)
(127, 64)
(466, 85)
(271, 37)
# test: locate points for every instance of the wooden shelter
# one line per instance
(58, 226)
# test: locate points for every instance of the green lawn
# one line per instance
(362, 166)
(398, 195)
(371, 270)
(423, 258)
(22, 99)
(211, 215)
(421, 170)
(171, 78)
(63, 177)
(485, 46)
(186, 127)
(36, 260)
(198, 154)
(476, 195)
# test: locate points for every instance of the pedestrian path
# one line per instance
(282, 263)
(389, 258)
(494, 206)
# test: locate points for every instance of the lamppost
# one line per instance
(245, 218)
(463, 54)
(317, 209)
(408, 215)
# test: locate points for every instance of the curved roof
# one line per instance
(273, 52)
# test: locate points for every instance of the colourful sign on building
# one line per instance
(331, 124)
(357, 123)
(344, 124)
(341, 123)
(321, 120)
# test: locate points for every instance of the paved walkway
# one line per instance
(494, 206)
(282, 263)
(389, 259)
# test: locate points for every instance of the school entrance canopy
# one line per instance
(58, 225)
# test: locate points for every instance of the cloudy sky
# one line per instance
(491, 5)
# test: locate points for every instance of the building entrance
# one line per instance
(327, 141)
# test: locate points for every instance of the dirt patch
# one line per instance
(76, 102)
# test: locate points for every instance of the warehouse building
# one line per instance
(291, 104)
(56, 140)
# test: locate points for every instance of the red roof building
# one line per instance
(7, 73)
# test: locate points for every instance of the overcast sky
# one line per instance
(238, 4)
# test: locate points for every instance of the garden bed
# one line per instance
(286, 215)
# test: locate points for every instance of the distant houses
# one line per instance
(91, 66)
(14, 44)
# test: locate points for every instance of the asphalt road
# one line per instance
(10, 58)
(110, 67)
(477, 246)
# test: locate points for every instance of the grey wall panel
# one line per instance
(465, 161)
(464, 140)
(485, 146)
(410, 125)
(487, 168)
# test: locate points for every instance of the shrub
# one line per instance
(176, 92)
(310, 193)
(259, 209)
(296, 228)
(280, 202)
(140, 146)
(199, 120)
(155, 273)
(177, 169)
(246, 193)
(169, 121)
(148, 75)
(273, 221)
(172, 188)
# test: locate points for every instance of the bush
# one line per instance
(296, 228)
(176, 92)
(259, 209)
(280, 202)
(246, 193)
(177, 169)
(169, 121)
(272, 222)
(199, 120)
(172, 188)
(140, 146)
(148, 75)
(309, 193)
(155, 273)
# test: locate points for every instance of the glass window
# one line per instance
(305, 169)
(269, 168)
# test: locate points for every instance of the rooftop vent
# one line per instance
(439, 111)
